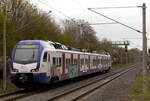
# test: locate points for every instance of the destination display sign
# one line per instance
(27, 46)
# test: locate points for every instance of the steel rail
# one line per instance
(10, 93)
(101, 85)
(24, 94)
(59, 96)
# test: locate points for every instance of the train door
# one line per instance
(63, 65)
(68, 62)
(107, 63)
(100, 62)
(97, 62)
(82, 63)
(86, 68)
(73, 66)
(89, 62)
(44, 64)
(59, 65)
(54, 64)
(78, 64)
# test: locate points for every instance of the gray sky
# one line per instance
(78, 9)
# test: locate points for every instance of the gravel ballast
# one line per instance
(115, 90)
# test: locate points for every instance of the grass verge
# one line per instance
(134, 92)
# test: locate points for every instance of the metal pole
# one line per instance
(126, 58)
(135, 58)
(126, 48)
(81, 32)
(4, 51)
(129, 58)
(121, 58)
(144, 50)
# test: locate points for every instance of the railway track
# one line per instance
(82, 91)
(10, 93)
(13, 96)
(72, 94)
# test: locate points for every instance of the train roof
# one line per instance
(84, 53)
(55, 46)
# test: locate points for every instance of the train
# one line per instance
(44, 62)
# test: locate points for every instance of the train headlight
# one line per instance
(14, 70)
(34, 70)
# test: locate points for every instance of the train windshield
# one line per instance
(26, 54)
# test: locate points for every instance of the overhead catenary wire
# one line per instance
(26, 25)
(99, 14)
(85, 9)
(115, 20)
(132, 38)
(136, 38)
(111, 19)
(72, 19)
(116, 7)
(60, 12)
(54, 9)
(83, 12)
(103, 23)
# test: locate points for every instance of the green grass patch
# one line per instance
(10, 87)
(117, 66)
(134, 92)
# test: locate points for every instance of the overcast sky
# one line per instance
(65, 9)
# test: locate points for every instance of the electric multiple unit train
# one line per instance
(43, 62)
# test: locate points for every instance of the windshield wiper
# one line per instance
(33, 55)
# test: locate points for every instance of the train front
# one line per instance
(25, 63)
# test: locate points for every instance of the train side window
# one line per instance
(67, 63)
(60, 62)
(98, 61)
(82, 62)
(75, 61)
(48, 57)
(57, 59)
(94, 62)
(45, 57)
(54, 61)
(102, 61)
(86, 61)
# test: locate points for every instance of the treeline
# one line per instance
(26, 22)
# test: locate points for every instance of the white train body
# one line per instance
(36, 61)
